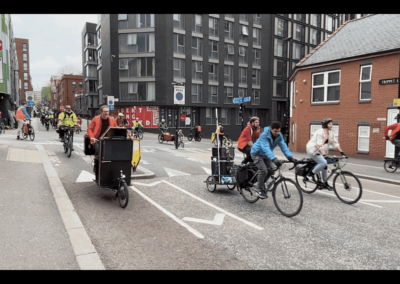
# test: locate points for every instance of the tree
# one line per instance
(68, 69)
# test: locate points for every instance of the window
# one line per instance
(243, 17)
(256, 97)
(137, 91)
(299, 32)
(316, 20)
(326, 86)
(213, 49)
(179, 68)
(99, 57)
(24, 47)
(280, 68)
(228, 94)
(213, 26)
(25, 85)
(122, 17)
(25, 66)
(329, 24)
(315, 36)
(73, 84)
(197, 93)
(100, 76)
(91, 71)
(281, 27)
(363, 138)
(257, 57)
(80, 84)
(242, 54)
(280, 48)
(25, 76)
(213, 94)
(197, 23)
(242, 75)
(225, 116)
(255, 77)
(135, 21)
(91, 86)
(228, 74)
(91, 55)
(300, 17)
(209, 116)
(145, 20)
(256, 36)
(242, 92)
(257, 19)
(365, 82)
(197, 49)
(298, 51)
(243, 33)
(229, 51)
(25, 56)
(239, 115)
(229, 16)
(197, 70)
(99, 36)
(179, 21)
(213, 72)
(228, 30)
(179, 43)
(136, 43)
(279, 88)
(90, 39)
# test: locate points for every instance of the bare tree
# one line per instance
(68, 69)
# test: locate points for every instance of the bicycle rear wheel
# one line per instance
(250, 192)
(288, 198)
(346, 187)
(306, 184)
(390, 166)
(32, 134)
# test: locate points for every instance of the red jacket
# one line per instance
(245, 136)
(396, 127)
(94, 128)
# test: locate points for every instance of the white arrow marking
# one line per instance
(85, 177)
(207, 170)
(218, 219)
(174, 173)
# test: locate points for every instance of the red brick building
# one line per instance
(54, 81)
(22, 46)
(66, 88)
(346, 78)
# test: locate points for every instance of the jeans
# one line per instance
(246, 150)
(321, 165)
(264, 170)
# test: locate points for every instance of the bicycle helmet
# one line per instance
(163, 120)
(325, 122)
(137, 119)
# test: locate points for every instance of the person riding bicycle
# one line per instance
(263, 155)
(318, 147)
(57, 113)
(136, 124)
(66, 118)
(79, 121)
(163, 126)
(21, 115)
(195, 130)
(248, 137)
(220, 131)
(121, 121)
(394, 136)
(180, 135)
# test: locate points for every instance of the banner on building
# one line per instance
(179, 95)
(1, 70)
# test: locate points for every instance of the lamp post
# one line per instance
(290, 39)
(176, 115)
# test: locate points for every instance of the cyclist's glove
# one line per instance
(387, 137)
(277, 162)
(343, 153)
(291, 159)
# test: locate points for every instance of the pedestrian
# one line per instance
(21, 115)
(394, 136)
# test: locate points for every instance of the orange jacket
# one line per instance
(245, 137)
(94, 128)
(396, 127)
(20, 114)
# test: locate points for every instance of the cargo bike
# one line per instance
(166, 136)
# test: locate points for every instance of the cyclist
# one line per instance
(394, 136)
(121, 121)
(136, 125)
(21, 115)
(220, 131)
(163, 126)
(318, 147)
(57, 113)
(180, 135)
(263, 155)
(66, 118)
(79, 120)
(248, 137)
(195, 130)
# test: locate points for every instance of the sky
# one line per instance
(54, 41)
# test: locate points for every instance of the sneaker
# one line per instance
(262, 194)
(18, 138)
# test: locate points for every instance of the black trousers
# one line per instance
(246, 150)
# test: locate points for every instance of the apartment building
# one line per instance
(22, 46)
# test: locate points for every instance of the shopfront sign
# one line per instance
(389, 81)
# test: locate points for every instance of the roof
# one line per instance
(362, 36)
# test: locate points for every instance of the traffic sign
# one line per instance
(246, 99)
(111, 107)
(30, 104)
(237, 100)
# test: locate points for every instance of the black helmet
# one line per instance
(325, 122)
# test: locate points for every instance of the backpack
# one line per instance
(198, 128)
(241, 175)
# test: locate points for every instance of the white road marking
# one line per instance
(207, 170)
(381, 193)
(188, 142)
(218, 219)
(174, 173)
(387, 201)
(144, 162)
(190, 229)
(205, 202)
(365, 166)
(85, 177)
(358, 201)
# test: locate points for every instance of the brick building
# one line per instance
(22, 46)
(344, 78)
(54, 81)
(66, 88)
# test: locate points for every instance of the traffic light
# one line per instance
(241, 107)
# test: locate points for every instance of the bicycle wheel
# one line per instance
(140, 135)
(160, 138)
(198, 139)
(250, 193)
(228, 143)
(306, 184)
(390, 166)
(32, 134)
(190, 137)
(231, 187)
(181, 144)
(346, 187)
(123, 194)
(65, 144)
(288, 198)
(210, 183)
(69, 151)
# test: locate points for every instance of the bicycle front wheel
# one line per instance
(390, 166)
(140, 135)
(190, 137)
(32, 134)
(347, 187)
(228, 143)
(288, 198)
(123, 194)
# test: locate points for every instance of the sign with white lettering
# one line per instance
(179, 95)
(389, 81)
(381, 118)
(375, 130)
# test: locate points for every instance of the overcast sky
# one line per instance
(54, 41)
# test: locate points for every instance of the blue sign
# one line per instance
(110, 107)
(246, 99)
(237, 100)
(30, 104)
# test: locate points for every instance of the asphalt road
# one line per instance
(225, 232)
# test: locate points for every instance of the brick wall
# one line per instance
(65, 89)
(18, 46)
(349, 111)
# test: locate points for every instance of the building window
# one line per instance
(229, 52)
(242, 75)
(213, 49)
(255, 77)
(316, 20)
(257, 19)
(208, 116)
(257, 57)
(99, 57)
(365, 82)
(225, 116)
(228, 94)
(99, 36)
(299, 32)
(90, 39)
(243, 33)
(24, 47)
(256, 36)
(197, 93)
(242, 92)
(330, 24)
(363, 138)
(145, 20)
(229, 16)
(281, 27)
(298, 51)
(91, 86)
(213, 94)
(280, 68)
(25, 76)
(25, 56)
(137, 91)
(80, 84)
(197, 25)
(256, 97)
(91, 71)
(91, 55)
(197, 70)
(179, 43)
(213, 26)
(228, 74)
(281, 48)
(135, 21)
(315, 36)
(122, 17)
(243, 17)
(279, 88)
(136, 43)
(300, 17)
(179, 68)
(25, 66)
(213, 72)
(228, 30)
(100, 76)
(179, 21)
(197, 49)
(326, 86)
(73, 84)
(25, 85)
(242, 54)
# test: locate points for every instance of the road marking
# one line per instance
(205, 202)
(174, 173)
(144, 162)
(207, 170)
(218, 219)
(180, 222)
(364, 165)
(388, 201)
(85, 177)
(358, 201)
(381, 193)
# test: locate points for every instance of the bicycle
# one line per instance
(225, 141)
(391, 165)
(78, 128)
(197, 136)
(2, 126)
(285, 192)
(181, 144)
(28, 130)
(68, 140)
(344, 187)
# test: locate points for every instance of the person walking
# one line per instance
(394, 136)
(21, 115)
(248, 137)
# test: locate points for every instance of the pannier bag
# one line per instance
(241, 175)
(302, 170)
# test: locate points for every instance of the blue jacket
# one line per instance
(265, 146)
(25, 112)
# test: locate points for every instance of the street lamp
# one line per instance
(176, 115)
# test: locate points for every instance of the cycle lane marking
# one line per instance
(205, 202)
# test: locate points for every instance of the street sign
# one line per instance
(183, 117)
(237, 100)
(179, 95)
(111, 107)
(246, 99)
(389, 81)
(30, 104)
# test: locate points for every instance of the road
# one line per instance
(173, 222)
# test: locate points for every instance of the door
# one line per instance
(390, 120)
